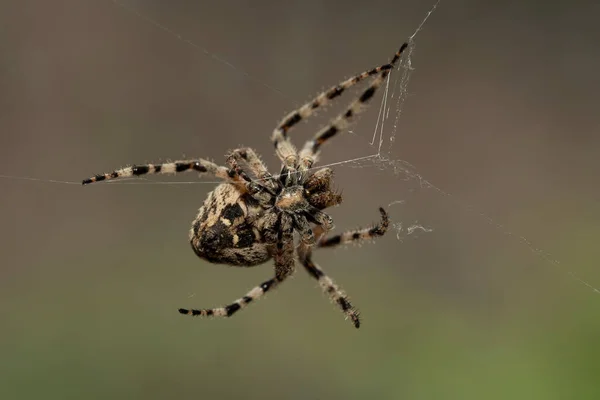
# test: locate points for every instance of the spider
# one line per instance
(247, 221)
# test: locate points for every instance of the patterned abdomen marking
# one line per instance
(223, 233)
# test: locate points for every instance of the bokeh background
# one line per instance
(501, 116)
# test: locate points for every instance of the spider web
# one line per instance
(390, 112)
(382, 140)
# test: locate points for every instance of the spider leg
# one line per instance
(253, 160)
(199, 165)
(257, 167)
(283, 256)
(240, 303)
(303, 227)
(284, 148)
(355, 235)
(328, 286)
(326, 283)
(308, 154)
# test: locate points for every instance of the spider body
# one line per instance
(247, 221)
(233, 228)
(223, 232)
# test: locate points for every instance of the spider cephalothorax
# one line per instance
(246, 221)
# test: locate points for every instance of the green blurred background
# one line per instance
(502, 116)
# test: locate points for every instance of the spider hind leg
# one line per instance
(283, 255)
(329, 287)
(326, 283)
(357, 235)
(227, 311)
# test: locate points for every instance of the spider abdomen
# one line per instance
(224, 231)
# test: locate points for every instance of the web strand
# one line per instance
(26, 178)
(199, 48)
(543, 254)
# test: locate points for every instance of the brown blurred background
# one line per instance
(502, 116)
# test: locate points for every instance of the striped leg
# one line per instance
(198, 165)
(326, 283)
(285, 150)
(357, 234)
(309, 153)
(284, 267)
(229, 310)
(257, 167)
(329, 287)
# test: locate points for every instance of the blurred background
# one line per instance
(501, 117)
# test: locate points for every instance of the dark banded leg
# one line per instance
(329, 287)
(240, 303)
(198, 165)
(285, 150)
(284, 267)
(256, 165)
(309, 153)
(357, 234)
(254, 162)
(326, 283)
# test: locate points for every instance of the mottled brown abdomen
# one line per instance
(223, 231)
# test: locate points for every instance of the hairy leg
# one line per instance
(308, 154)
(199, 165)
(255, 164)
(328, 286)
(280, 134)
(283, 255)
(357, 235)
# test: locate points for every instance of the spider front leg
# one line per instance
(308, 154)
(285, 149)
(199, 165)
(280, 134)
